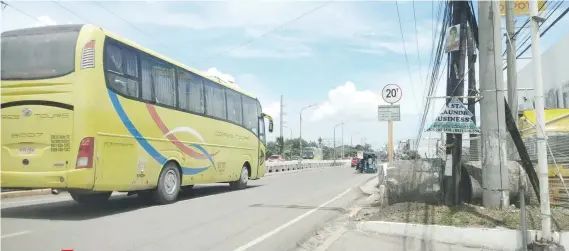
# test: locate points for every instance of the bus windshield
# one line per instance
(38, 53)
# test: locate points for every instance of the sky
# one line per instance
(336, 54)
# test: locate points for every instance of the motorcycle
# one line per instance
(360, 166)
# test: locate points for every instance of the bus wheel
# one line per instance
(242, 181)
(91, 199)
(168, 184)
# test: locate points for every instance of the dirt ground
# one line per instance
(466, 215)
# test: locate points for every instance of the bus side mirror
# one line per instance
(270, 121)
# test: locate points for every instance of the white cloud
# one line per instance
(420, 40)
(45, 20)
(279, 49)
(227, 78)
(345, 102)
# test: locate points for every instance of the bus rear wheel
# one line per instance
(91, 199)
(168, 184)
(241, 183)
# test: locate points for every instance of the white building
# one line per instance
(555, 77)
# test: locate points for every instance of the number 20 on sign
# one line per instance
(391, 93)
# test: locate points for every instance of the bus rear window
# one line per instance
(38, 53)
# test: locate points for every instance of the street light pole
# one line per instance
(352, 139)
(284, 126)
(335, 138)
(343, 142)
(300, 141)
(288, 129)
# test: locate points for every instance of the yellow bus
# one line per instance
(89, 112)
(557, 132)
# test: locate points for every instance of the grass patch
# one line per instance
(465, 215)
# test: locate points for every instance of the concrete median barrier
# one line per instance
(285, 166)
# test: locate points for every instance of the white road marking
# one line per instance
(354, 211)
(15, 234)
(281, 227)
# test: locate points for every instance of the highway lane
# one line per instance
(274, 213)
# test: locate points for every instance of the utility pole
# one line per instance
(342, 124)
(282, 121)
(342, 142)
(300, 131)
(540, 123)
(495, 177)
(455, 87)
(472, 90)
(511, 70)
(282, 115)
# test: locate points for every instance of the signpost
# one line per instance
(391, 94)
(521, 7)
(389, 112)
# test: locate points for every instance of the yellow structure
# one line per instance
(557, 132)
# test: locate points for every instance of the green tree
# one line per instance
(280, 144)
(272, 148)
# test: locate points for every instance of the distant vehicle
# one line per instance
(355, 161)
(313, 153)
(276, 158)
(89, 112)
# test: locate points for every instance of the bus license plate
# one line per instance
(27, 150)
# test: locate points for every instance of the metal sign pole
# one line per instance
(391, 94)
(390, 138)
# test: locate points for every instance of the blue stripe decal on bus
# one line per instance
(205, 153)
(141, 140)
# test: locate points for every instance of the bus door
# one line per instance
(262, 148)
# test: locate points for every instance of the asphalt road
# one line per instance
(274, 213)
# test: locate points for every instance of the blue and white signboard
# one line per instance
(455, 118)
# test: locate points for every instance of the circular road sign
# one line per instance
(391, 93)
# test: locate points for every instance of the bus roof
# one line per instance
(172, 61)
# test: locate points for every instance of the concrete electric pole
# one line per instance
(511, 70)
(540, 123)
(495, 179)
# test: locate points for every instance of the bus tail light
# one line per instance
(85, 153)
(88, 55)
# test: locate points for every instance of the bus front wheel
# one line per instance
(91, 199)
(241, 183)
(168, 184)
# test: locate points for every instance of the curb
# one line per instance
(16, 194)
(487, 238)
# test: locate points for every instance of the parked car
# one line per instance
(276, 158)
(355, 161)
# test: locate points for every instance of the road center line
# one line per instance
(15, 234)
(281, 227)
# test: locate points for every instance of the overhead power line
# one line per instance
(71, 11)
(405, 50)
(546, 29)
(266, 33)
(20, 11)
(132, 25)
(417, 43)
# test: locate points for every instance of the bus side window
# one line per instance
(262, 129)
(250, 118)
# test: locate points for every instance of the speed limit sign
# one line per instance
(391, 93)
